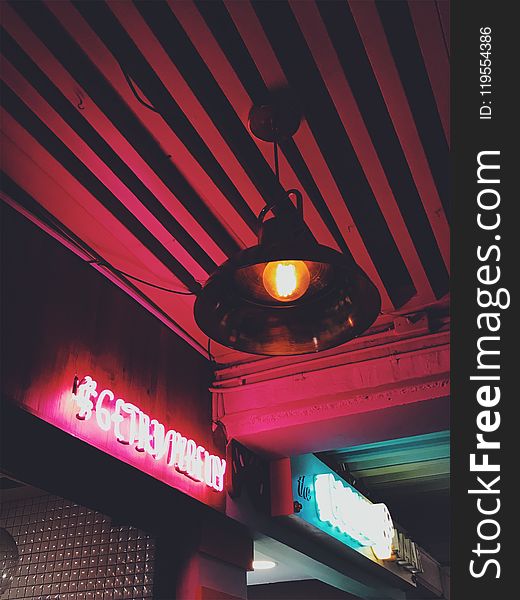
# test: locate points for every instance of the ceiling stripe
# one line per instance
(189, 102)
(430, 35)
(208, 43)
(216, 105)
(76, 62)
(106, 177)
(327, 60)
(21, 112)
(49, 68)
(194, 182)
(120, 44)
(401, 37)
(224, 31)
(372, 33)
(361, 104)
(173, 234)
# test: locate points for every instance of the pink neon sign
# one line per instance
(133, 427)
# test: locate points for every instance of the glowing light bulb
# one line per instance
(286, 280)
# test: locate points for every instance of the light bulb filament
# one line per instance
(286, 281)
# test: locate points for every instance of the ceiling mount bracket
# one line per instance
(275, 122)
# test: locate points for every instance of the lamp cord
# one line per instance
(276, 163)
(103, 263)
(211, 358)
(153, 285)
(134, 91)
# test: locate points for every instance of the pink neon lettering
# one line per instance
(132, 411)
(163, 442)
(118, 418)
(176, 448)
(86, 390)
(143, 436)
(207, 468)
(102, 413)
(133, 427)
(156, 437)
(198, 464)
(219, 468)
(187, 464)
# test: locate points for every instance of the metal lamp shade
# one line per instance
(234, 308)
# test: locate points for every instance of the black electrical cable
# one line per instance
(135, 93)
(442, 28)
(210, 356)
(276, 164)
(153, 285)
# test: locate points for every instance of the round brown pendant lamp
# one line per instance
(288, 294)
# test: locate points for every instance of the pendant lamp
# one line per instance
(288, 294)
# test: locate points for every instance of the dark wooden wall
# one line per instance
(60, 317)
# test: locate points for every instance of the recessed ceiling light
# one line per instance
(259, 565)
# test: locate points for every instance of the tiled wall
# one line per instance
(69, 552)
